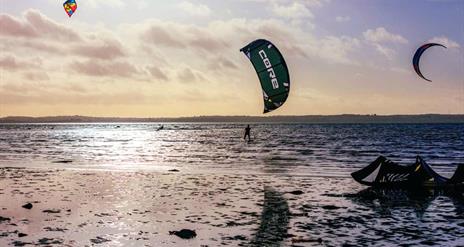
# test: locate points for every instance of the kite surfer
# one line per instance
(247, 133)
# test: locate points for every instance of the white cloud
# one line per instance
(200, 10)
(387, 52)
(106, 3)
(337, 49)
(445, 41)
(293, 11)
(381, 35)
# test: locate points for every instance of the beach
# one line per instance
(104, 185)
(89, 208)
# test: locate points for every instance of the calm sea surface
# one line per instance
(306, 149)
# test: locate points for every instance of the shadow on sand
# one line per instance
(274, 219)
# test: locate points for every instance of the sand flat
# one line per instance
(108, 208)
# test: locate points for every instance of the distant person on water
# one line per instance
(247, 133)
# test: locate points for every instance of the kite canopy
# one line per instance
(70, 7)
(272, 72)
(385, 173)
(417, 56)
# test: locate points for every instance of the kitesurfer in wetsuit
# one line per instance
(247, 133)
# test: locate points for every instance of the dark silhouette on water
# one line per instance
(386, 215)
(160, 128)
(386, 173)
(384, 201)
(247, 133)
(274, 220)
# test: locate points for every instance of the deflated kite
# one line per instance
(385, 173)
(417, 56)
(70, 7)
(272, 72)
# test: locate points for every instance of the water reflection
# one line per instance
(385, 201)
(387, 217)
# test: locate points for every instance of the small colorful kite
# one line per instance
(70, 7)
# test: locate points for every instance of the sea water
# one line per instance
(298, 149)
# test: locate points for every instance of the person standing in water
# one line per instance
(247, 133)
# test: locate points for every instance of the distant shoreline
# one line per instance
(345, 118)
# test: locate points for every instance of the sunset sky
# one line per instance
(181, 58)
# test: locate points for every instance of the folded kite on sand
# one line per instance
(385, 173)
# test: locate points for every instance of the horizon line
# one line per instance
(256, 116)
(319, 119)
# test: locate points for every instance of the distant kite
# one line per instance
(70, 7)
(272, 72)
(417, 56)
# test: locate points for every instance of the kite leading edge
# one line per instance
(417, 56)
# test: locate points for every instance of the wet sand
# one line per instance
(92, 208)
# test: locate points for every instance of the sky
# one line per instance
(175, 58)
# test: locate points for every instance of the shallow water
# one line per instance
(303, 149)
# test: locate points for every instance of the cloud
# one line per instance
(65, 97)
(188, 75)
(36, 76)
(293, 11)
(336, 49)
(199, 10)
(227, 37)
(159, 34)
(157, 73)
(11, 26)
(381, 35)
(103, 3)
(445, 41)
(387, 52)
(343, 19)
(35, 25)
(10, 62)
(101, 49)
(221, 63)
(104, 69)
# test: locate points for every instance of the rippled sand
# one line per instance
(77, 208)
